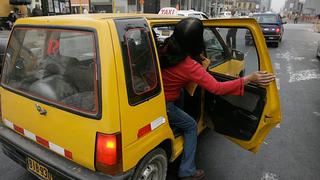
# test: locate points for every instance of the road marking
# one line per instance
(288, 56)
(314, 60)
(277, 66)
(299, 75)
(278, 125)
(304, 75)
(316, 113)
(269, 176)
(265, 143)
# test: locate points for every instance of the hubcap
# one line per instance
(152, 171)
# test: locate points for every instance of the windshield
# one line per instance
(266, 18)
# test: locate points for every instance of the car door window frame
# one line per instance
(123, 26)
(224, 46)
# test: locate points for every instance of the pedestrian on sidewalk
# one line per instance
(180, 59)
(37, 11)
(232, 35)
(296, 18)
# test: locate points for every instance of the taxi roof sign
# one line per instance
(168, 11)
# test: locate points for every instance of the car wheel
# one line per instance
(247, 43)
(153, 166)
(276, 44)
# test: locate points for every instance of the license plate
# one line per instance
(266, 29)
(271, 37)
(38, 169)
(165, 33)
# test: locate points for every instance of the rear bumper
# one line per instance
(268, 38)
(272, 38)
(19, 148)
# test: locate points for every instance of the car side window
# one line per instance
(141, 68)
(280, 19)
(215, 49)
(240, 53)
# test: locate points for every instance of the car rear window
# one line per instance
(56, 66)
(266, 18)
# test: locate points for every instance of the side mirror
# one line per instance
(238, 55)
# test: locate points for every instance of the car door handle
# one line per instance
(41, 111)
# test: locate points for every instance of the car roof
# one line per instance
(103, 16)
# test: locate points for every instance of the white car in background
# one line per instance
(225, 14)
(163, 33)
(192, 13)
(188, 13)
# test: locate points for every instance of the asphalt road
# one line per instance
(291, 151)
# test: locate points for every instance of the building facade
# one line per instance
(248, 5)
(311, 7)
(6, 7)
(265, 5)
(293, 6)
(79, 6)
(153, 6)
(55, 7)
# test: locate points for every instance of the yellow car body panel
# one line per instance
(231, 68)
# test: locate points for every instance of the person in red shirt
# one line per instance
(180, 59)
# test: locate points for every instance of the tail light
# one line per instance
(278, 30)
(108, 153)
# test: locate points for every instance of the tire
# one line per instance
(153, 166)
(276, 44)
(247, 43)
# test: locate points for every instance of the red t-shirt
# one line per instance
(176, 77)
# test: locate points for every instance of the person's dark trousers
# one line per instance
(232, 34)
(181, 120)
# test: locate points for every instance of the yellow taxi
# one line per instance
(82, 95)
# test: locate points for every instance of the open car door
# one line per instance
(245, 120)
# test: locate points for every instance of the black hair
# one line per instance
(186, 40)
